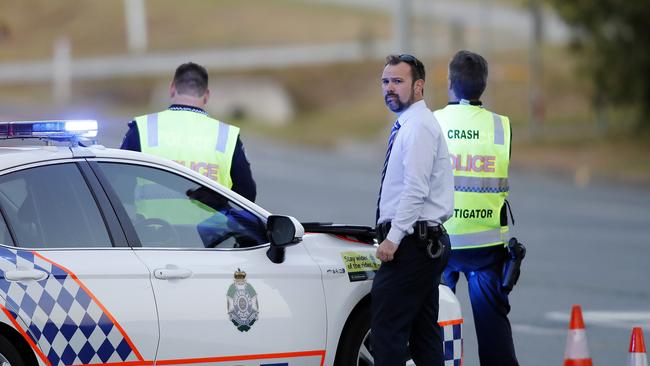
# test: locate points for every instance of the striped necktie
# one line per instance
(391, 139)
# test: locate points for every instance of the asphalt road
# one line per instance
(586, 246)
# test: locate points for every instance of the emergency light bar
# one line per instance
(57, 130)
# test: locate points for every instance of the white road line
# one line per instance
(535, 330)
(611, 319)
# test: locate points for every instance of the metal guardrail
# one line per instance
(214, 59)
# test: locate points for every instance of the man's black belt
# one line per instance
(427, 237)
(437, 230)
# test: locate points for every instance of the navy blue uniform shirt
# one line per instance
(240, 171)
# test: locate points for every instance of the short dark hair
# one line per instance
(417, 67)
(191, 79)
(468, 73)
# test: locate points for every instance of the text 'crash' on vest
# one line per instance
(463, 134)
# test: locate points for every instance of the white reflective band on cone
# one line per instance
(576, 345)
(637, 359)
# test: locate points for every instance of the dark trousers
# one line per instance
(405, 307)
(483, 269)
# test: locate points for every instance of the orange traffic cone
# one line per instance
(638, 356)
(576, 353)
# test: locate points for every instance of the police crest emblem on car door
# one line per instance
(242, 302)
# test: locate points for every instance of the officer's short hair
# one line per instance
(417, 67)
(191, 79)
(468, 73)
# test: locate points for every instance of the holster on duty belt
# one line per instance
(512, 264)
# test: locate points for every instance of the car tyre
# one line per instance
(9, 355)
(354, 346)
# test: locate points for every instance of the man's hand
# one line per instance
(386, 251)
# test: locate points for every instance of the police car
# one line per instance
(121, 258)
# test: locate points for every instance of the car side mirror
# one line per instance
(282, 231)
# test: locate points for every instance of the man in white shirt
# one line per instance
(416, 197)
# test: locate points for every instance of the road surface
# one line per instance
(587, 246)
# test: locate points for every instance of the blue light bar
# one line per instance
(58, 130)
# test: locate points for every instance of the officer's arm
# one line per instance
(240, 173)
(504, 209)
(510, 152)
(131, 140)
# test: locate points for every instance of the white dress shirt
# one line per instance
(419, 182)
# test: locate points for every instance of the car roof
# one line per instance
(13, 156)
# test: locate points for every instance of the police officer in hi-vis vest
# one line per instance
(186, 134)
(479, 146)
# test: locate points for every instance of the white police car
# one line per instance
(121, 258)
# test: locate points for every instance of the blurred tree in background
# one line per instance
(613, 38)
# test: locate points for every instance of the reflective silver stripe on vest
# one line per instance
(481, 185)
(474, 239)
(152, 130)
(498, 129)
(222, 139)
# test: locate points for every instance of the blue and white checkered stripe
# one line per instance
(60, 316)
(453, 344)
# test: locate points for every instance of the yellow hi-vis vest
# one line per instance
(192, 139)
(479, 146)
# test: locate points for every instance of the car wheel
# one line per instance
(355, 348)
(9, 356)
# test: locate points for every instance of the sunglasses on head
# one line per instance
(409, 58)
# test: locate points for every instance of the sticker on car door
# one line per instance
(361, 266)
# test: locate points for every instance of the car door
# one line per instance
(69, 283)
(220, 300)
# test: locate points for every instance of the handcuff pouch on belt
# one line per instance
(427, 237)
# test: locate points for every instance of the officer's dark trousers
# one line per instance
(483, 269)
(405, 307)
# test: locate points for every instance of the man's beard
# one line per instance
(396, 105)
